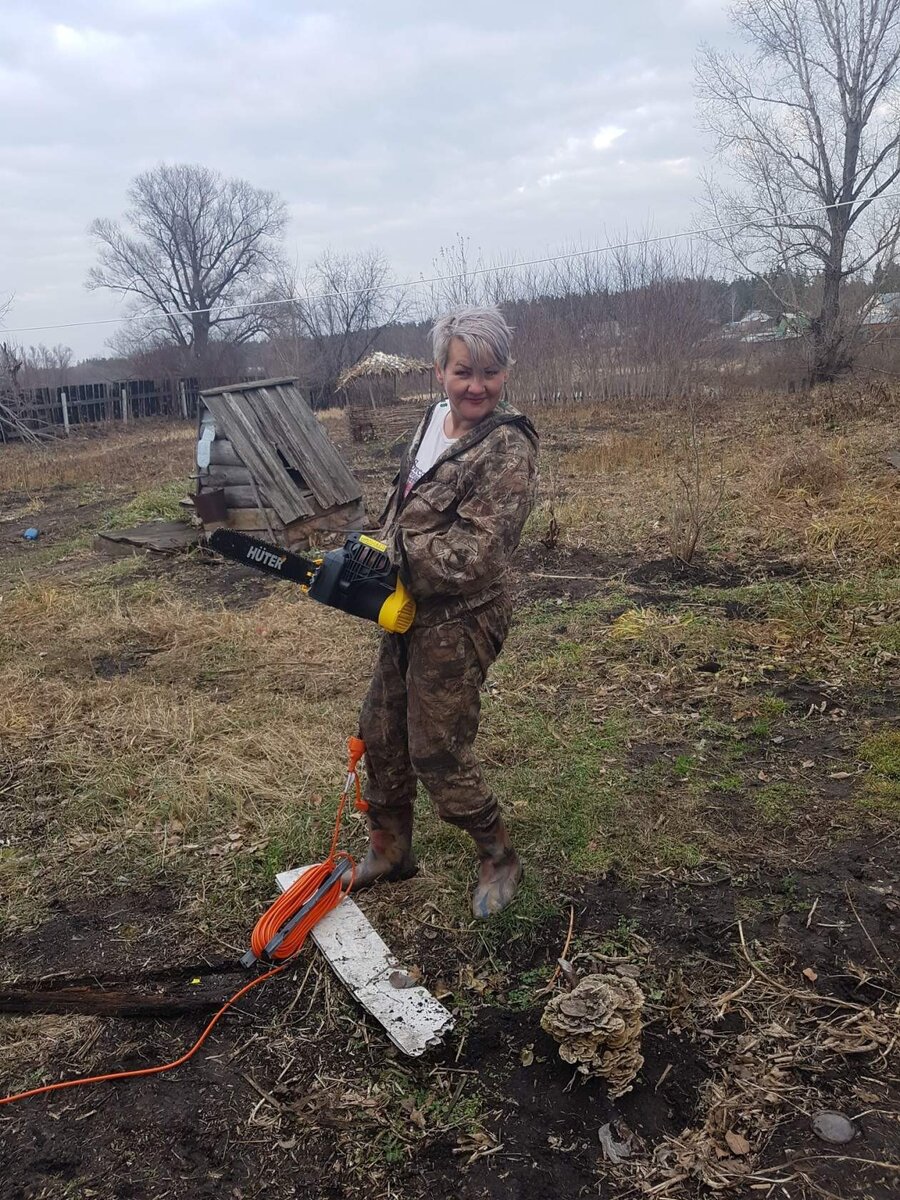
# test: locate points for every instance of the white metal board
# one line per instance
(412, 1018)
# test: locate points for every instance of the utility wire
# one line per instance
(479, 271)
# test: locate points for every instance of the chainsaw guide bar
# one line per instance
(359, 578)
(263, 556)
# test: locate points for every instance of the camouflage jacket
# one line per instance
(453, 534)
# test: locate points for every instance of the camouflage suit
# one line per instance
(451, 538)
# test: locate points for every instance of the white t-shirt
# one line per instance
(433, 444)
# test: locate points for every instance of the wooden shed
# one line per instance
(266, 466)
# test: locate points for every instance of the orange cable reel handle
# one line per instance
(356, 748)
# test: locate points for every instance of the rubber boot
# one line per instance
(390, 856)
(499, 873)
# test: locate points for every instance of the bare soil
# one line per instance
(187, 1132)
(297, 1093)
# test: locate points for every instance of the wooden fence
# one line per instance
(46, 408)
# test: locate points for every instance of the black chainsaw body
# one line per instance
(359, 578)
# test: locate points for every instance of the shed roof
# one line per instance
(378, 364)
(275, 432)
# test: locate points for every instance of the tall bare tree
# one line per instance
(334, 314)
(196, 252)
(808, 122)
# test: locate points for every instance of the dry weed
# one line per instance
(849, 400)
(765, 1077)
(655, 634)
(805, 468)
(113, 460)
(34, 1049)
(613, 452)
(865, 528)
(153, 722)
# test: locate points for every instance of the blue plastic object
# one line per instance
(31, 535)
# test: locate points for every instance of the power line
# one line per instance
(480, 271)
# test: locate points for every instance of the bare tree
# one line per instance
(45, 366)
(462, 277)
(198, 252)
(628, 324)
(17, 422)
(809, 123)
(335, 315)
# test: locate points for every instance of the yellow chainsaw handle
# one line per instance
(398, 611)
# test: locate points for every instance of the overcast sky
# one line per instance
(520, 124)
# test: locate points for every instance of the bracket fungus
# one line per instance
(598, 1026)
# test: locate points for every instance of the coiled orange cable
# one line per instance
(267, 927)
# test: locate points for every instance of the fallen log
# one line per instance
(206, 995)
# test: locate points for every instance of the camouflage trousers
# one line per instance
(420, 716)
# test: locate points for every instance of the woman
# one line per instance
(453, 519)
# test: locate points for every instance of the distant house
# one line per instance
(754, 317)
(884, 309)
(757, 326)
(792, 325)
(753, 326)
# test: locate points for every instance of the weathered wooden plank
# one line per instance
(328, 465)
(273, 431)
(341, 520)
(248, 387)
(293, 493)
(253, 443)
(248, 519)
(345, 518)
(241, 496)
(297, 447)
(225, 477)
(222, 453)
(302, 440)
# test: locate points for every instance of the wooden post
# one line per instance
(123, 394)
(65, 410)
(183, 394)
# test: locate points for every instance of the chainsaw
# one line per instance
(358, 579)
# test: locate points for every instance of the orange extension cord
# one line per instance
(266, 928)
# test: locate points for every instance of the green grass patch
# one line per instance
(522, 995)
(729, 785)
(776, 803)
(882, 753)
(684, 766)
(157, 503)
(882, 788)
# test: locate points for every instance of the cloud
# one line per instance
(604, 138)
(85, 43)
(386, 124)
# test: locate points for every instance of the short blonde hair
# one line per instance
(484, 332)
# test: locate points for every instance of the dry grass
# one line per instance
(864, 529)
(34, 1051)
(805, 468)
(786, 494)
(149, 737)
(151, 453)
(613, 452)
(160, 727)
